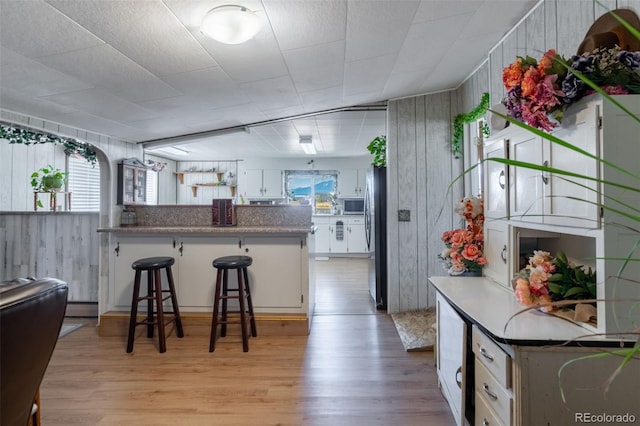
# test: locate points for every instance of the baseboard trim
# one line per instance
(199, 324)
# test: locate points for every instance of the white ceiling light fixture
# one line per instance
(307, 145)
(230, 24)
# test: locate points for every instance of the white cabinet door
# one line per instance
(128, 249)
(252, 183)
(276, 274)
(339, 232)
(272, 183)
(197, 277)
(574, 201)
(526, 191)
(451, 347)
(362, 181)
(496, 180)
(496, 251)
(323, 237)
(357, 241)
(348, 183)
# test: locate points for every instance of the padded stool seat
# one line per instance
(153, 266)
(223, 265)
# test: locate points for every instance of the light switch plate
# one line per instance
(404, 215)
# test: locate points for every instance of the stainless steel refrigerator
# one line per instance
(375, 219)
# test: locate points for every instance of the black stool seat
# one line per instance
(242, 294)
(153, 263)
(152, 266)
(232, 262)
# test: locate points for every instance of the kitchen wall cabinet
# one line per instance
(351, 183)
(263, 183)
(132, 182)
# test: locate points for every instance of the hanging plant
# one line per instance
(378, 147)
(28, 137)
(461, 119)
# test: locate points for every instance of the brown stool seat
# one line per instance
(155, 317)
(223, 265)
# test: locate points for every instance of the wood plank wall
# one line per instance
(65, 245)
(419, 129)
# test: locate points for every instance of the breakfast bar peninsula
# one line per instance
(277, 237)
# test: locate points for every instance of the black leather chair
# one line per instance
(31, 314)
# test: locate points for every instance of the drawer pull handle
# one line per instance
(485, 354)
(485, 388)
(459, 372)
(501, 179)
(545, 178)
(503, 254)
(485, 422)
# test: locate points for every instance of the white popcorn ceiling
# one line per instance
(140, 70)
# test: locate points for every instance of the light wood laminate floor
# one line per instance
(350, 370)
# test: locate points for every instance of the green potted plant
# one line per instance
(48, 179)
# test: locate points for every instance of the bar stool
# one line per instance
(223, 265)
(153, 266)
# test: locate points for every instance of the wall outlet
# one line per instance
(404, 215)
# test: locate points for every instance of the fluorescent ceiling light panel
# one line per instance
(307, 145)
(169, 150)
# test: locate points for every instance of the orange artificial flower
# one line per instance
(512, 75)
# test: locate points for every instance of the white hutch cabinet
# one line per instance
(512, 361)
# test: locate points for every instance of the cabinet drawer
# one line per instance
(492, 357)
(356, 221)
(495, 396)
(484, 415)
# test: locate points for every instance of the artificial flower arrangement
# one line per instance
(464, 246)
(537, 90)
(548, 279)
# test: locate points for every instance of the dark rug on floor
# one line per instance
(417, 328)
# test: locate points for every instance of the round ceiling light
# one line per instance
(230, 24)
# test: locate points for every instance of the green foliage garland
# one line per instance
(461, 119)
(28, 137)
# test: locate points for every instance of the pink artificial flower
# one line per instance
(471, 252)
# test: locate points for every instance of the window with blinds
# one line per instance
(84, 185)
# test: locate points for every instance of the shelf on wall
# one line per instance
(194, 187)
(181, 175)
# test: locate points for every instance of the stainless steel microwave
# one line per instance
(353, 206)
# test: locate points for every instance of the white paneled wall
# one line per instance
(65, 245)
(418, 182)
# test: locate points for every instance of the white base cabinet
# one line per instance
(279, 275)
(526, 368)
(340, 234)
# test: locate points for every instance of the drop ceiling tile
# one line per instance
(273, 93)
(110, 107)
(361, 76)
(31, 106)
(391, 21)
(34, 79)
(104, 66)
(299, 24)
(35, 29)
(316, 67)
(147, 32)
